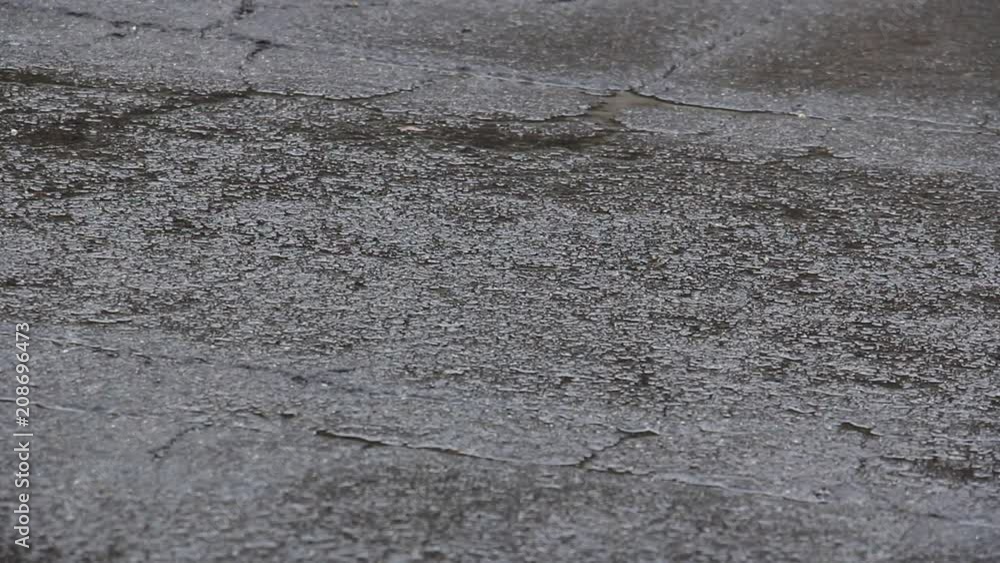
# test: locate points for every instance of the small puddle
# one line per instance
(607, 112)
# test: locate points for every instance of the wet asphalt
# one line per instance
(504, 280)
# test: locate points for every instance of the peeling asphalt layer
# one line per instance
(504, 280)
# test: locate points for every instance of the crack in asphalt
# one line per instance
(984, 124)
(612, 105)
(252, 91)
(605, 112)
(624, 435)
(259, 46)
(597, 112)
(584, 462)
(203, 31)
(724, 109)
(587, 462)
(160, 452)
(247, 8)
(357, 5)
(120, 23)
(242, 10)
(357, 100)
(762, 21)
(45, 406)
(930, 124)
(29, 78)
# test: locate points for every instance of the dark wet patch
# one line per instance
(608, 111)
(35, 77)
(72, 133)
(259, 46)
(245, 8)
(951, 470)
(886, 42)
(965, 468)
(91, 127)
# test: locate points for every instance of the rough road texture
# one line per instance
(504, 280)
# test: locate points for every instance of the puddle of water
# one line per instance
(606, 113)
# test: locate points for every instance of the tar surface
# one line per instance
(524, 280)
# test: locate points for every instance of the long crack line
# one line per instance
(585, 463)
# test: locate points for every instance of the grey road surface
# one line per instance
(502, 280)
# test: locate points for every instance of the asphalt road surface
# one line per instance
(502, 280)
